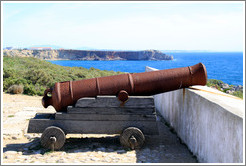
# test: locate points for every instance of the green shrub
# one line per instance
(36, 75)
(8, 73)
(218, 84)
(213, 82)
(224, 90)
(15, 89)
(238, 94)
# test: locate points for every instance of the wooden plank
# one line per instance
(109, 111)
(112, 101)
(101, 117)
(91, 127)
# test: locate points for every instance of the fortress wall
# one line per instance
(208, 121)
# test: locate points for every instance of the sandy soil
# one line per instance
(21, 147)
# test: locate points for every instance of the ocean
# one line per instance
(224, 66)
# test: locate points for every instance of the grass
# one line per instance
(238, 94)
(218, 85)
(11, 116)
(36, 75)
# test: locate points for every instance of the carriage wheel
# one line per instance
(53, 138)
(132, 137)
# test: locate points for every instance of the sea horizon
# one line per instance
(219, 65)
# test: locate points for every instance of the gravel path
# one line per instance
(20, 147)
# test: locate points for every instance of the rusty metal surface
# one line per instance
(67, 93)
(123, 96)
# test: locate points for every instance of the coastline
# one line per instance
(58, 59)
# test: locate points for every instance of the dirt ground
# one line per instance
(22, 147)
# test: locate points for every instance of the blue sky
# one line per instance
(123, 25)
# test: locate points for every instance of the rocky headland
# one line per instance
(89, 55)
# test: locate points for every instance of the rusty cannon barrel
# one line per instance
(67, 93)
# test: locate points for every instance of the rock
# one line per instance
(28, 136)
(229, 91)
(238, 88)
(14, 137)
(233, 88)
(225, 86)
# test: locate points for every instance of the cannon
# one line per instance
(120, 104)
(67, 93)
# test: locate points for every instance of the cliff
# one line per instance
(89, 55)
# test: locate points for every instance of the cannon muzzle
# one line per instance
(67, 93)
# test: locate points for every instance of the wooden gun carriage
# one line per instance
(121, 104)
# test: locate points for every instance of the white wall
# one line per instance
(208, 121)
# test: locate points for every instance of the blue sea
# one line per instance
(224, 66)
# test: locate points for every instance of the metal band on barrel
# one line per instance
(97, 84)
(191, 74)
(131, 82)
(71, 89)
(190, 70)
(58, 92)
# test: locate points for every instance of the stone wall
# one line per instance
(208, 121)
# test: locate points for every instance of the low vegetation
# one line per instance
(230, 89)
(32, 76)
